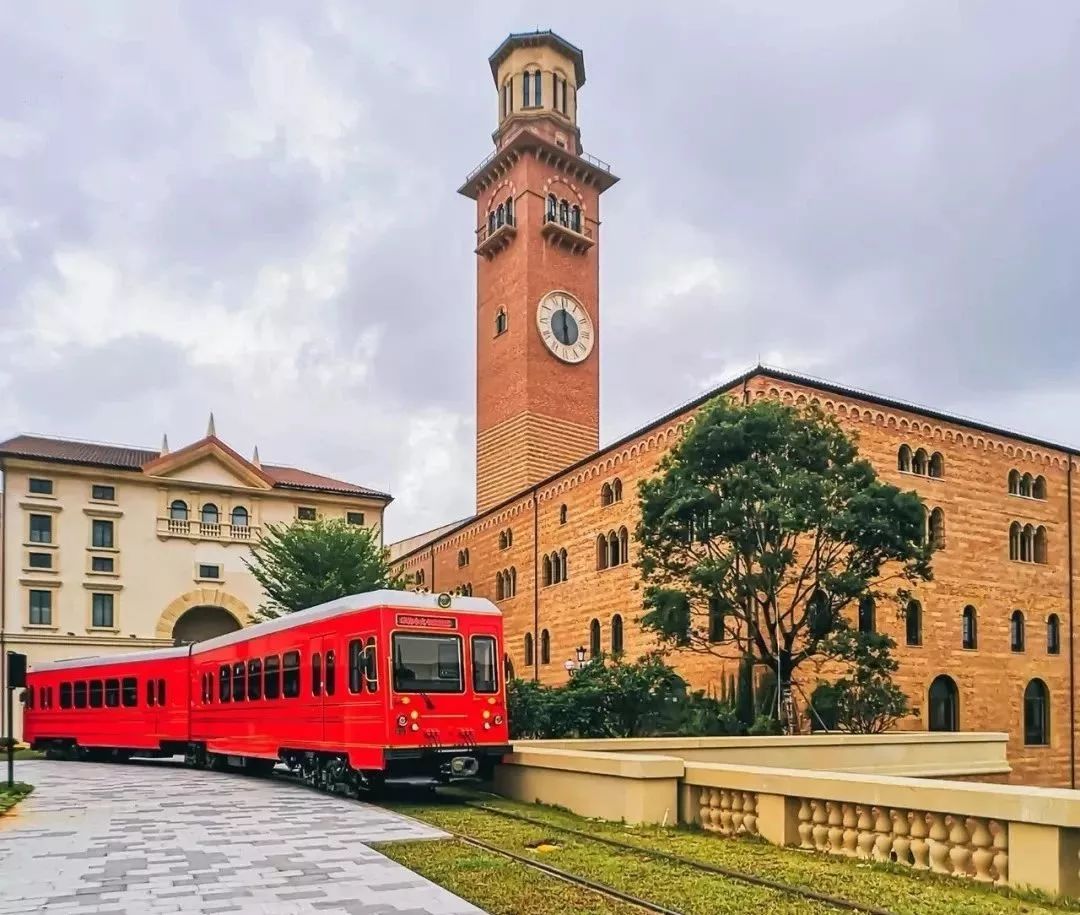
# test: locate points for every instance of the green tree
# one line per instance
(306, 563)
(762, 526)
(866, 699)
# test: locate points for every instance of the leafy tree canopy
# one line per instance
(762, 526)
(306, 563)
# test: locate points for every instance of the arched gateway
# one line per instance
(201, 614)
(200, 623)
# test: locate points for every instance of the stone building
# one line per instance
(107, 548)
(989, 644)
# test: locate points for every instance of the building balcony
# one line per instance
(561, 232)
(490, 240)
(203, 530)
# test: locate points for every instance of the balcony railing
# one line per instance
(205, 530)
(561, 231)
(492, 239)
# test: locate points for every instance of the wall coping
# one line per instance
(809, 740)
(619, 765)
(1010, 803)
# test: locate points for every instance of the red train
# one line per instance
(375, 686)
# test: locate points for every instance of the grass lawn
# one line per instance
(464, 871)
(25, 754)
(9, 798)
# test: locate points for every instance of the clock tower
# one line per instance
(537, 272)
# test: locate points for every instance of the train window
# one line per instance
(224, 684)
(112, 693)
(160, 692)
(129, 692)
(330, 671)
(255, 679)
(484, 669)
(316, 674)
(28, 697)
(427, 663)
(95, 694)
(356, 662)
(272, 677)
(290, 674)
(239, 681)
(371, 666)
(65, 695)
(203, 695)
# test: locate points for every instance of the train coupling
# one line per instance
(462, 767)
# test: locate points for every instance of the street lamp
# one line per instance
(568, 666)
(581, 656)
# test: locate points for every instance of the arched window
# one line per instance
(903, 459)
(1025, 484)
(209, 514)
(564, 212)
(1040, 544)
(716, 621)
(913, 623)
(562, 514)
(526, 87)
(867, 615)
(613, 548)
(513, 582)
(919, 462)
(616, 490)
(552, 208)
(1014, 540)
(925, 524)
(624, 545)
(545, 647)
(601, 552)
(545, 575)
(616, 634)
(1038, 489)
(1036, 714)
(1014, 482)
(594, 639)
(528, 649)
(937, 465)
(509, 667)
(1027, 544)
(509, 211)
(502, 540)
(509, 537)
(500, 586)
(937, 529)
(563, 567)
(500, 215)
(501, 322)
(178, 510)
(239, 517)
(491, 222)
(419, 577)
(944, 705)
(607, 494)
(1016, 630)
(575, 218)
(1053, 634)
(969, 636)
(819, 614)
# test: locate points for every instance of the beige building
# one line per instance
(108, 548)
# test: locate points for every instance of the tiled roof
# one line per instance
(122, 457)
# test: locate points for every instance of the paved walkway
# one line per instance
(156, 837)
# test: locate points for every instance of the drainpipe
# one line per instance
(431, 553)
(536, 584)
(1072, 641)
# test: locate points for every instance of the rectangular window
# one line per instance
(206, 687)
(40, 561)
(272, 677)
(101, 611)
(101, 534)
(102, 564)
(224, 684)
(103, 493)
(355, 517)
(427, 663)
(255, 679)
(129, 692)
(206, 571)
(290, 674)
(28, 697)
(160, 692)
(305, 513)
(239, 681)
(41, 608)
(484, 668)
(330, 671)
(356, 665)
(41, 528)
(316, 674)
(112, 693)
(41, 487)
(150, 692)
(371, 666)
(80, 694)
(96, 692)
(65, 695)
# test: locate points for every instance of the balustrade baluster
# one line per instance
(1001, 852)
(883, 834)
(901, 845)
(750, 813)
(725, 812)
(982, 858)
(851, 834)
(806, 827)
(836, 831)
(959, 853)
(866, 832)
(736, 812)
(920, 848)
(939, 846)
(821, 831)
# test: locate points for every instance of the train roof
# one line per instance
(128, 657)
(403, 600)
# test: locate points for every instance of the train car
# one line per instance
(109, 707)
(375, 686)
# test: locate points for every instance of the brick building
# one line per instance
(989, 644)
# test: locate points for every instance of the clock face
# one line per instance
(565, 327)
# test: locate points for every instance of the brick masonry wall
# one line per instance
(973, 568)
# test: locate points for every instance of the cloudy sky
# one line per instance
(250, 207)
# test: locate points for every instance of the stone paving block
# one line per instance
(95, 839)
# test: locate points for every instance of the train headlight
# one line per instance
(414, 714)
(487, 714)
(443, 600)
(402, 721)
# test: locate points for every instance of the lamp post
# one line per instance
(581, 656)
(568, 666)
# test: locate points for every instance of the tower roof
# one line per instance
(534, 39)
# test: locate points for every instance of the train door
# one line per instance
(333, 696)
(314, 731)
(363, 728)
